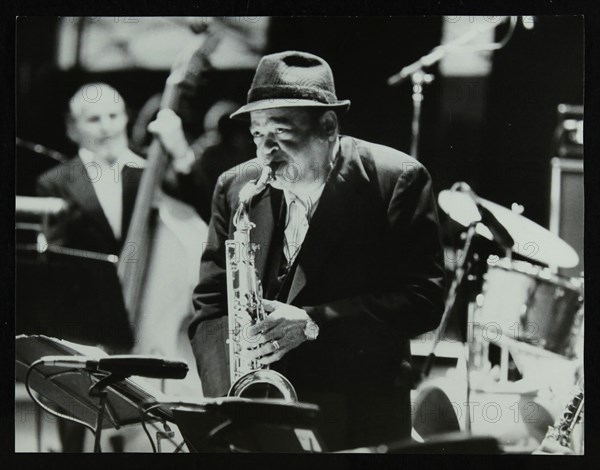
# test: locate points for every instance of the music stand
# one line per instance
(69, 389)
(62, 294)
(241, 424)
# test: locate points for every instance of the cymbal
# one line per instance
(531, 240)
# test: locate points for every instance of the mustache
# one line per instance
(274, 162)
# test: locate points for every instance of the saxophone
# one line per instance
(244, 295)
(562, 429)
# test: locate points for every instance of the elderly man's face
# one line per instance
(99, 125)
(290, 136)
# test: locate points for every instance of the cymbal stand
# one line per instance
(462, 269)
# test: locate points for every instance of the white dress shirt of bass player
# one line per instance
(107, 182)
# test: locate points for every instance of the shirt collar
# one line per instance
(336, 149)
(310, 199)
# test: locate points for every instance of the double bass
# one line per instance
(160, 260)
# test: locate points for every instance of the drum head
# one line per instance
(434, 413)
(529, 304)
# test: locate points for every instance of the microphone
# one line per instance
(499, 232)
(425, 61)
(123, 365)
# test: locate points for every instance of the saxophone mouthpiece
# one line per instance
(266, 176)
(252, 188)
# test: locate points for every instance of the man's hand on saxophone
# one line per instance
(283, 330)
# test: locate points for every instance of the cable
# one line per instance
(145, 412)
(154, 449)
(44, 407)
(494, 46)
(179, 447)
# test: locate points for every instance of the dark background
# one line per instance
(493, 132)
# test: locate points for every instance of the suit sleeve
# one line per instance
(208, 330)
(43, 188)
(412, 301)
(195, 188)
(210, 297)
(57, 231)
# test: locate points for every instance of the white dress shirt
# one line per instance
(107, 183)
(300, 209)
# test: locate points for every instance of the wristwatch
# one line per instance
(311, 330)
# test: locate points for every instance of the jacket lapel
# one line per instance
(264, 213)
(83, 193)
(333, 216)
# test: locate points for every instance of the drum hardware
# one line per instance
(531, 241)
(542, 306)
(462, 269)
(499, 233)
(525, 309)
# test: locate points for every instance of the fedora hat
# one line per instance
(291, 79)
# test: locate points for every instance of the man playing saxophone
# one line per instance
(350, 258)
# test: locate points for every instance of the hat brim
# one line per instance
(286, 103)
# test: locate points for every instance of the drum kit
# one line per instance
(522, 316)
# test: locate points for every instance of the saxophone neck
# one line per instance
(241, 219)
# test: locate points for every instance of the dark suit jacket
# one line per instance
(370, 273)
(85, 226)
(81, 298)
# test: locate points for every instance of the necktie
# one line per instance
(296, 227)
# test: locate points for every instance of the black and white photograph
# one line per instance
(299, 234)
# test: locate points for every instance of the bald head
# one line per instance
(94, 95)
(97, 120)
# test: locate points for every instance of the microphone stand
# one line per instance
(419, 78)
(98, 390)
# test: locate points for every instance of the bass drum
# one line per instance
(510, 412)
(434, 412)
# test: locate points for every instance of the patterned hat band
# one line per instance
(291, 92)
